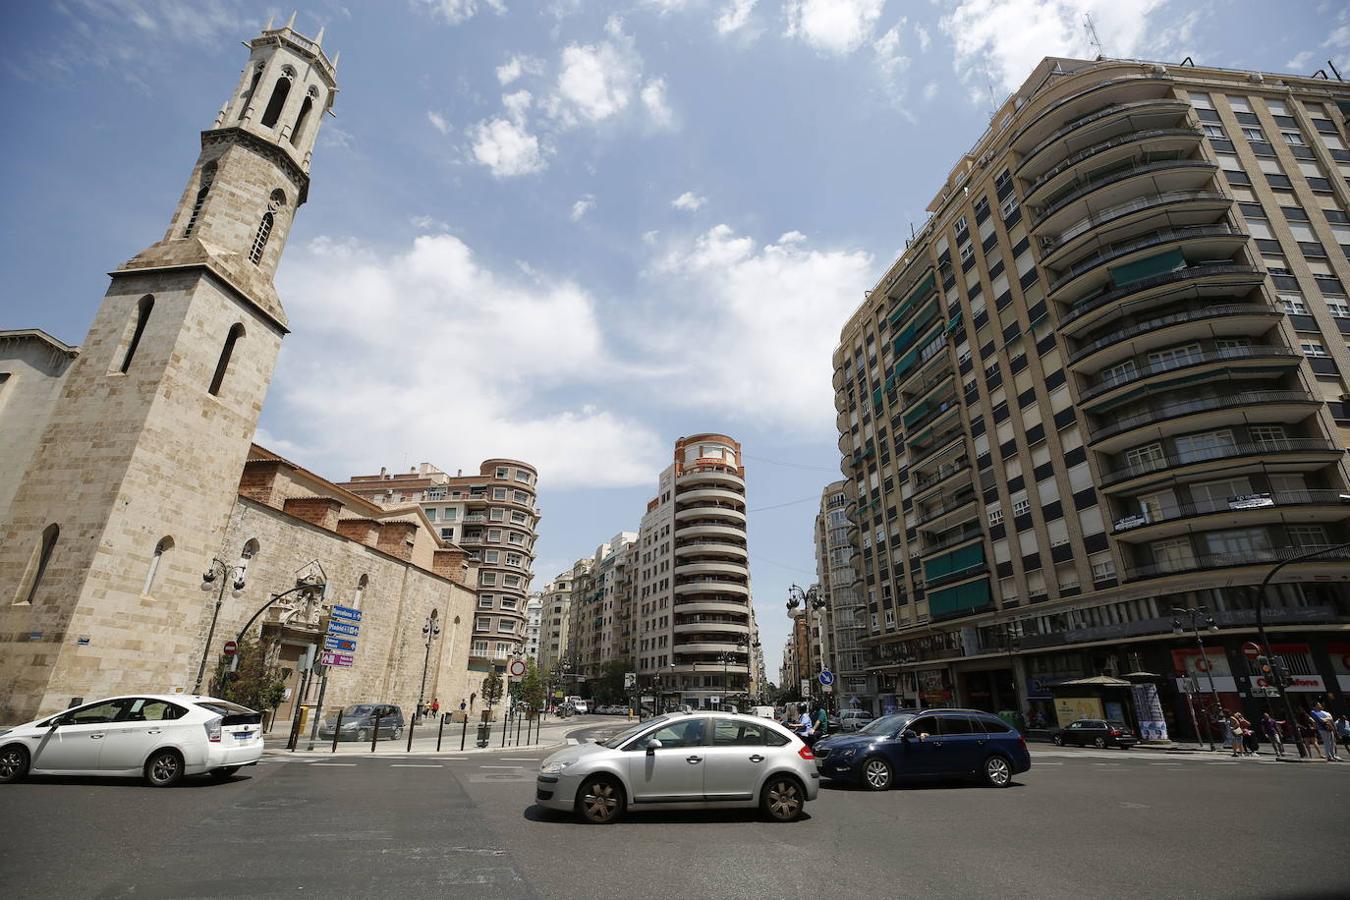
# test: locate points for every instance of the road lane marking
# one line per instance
(519, 759)
(415, 766)
(501, 767)
(332, 764)
(449, 758)
(573, 741)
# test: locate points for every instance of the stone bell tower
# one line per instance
(125, 502)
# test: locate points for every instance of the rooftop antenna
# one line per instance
(989, 86)
(1335, 71)
(1091, 30)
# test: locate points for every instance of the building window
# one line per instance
(1293, 305)
(499, 493)
(1312, 347)
(483, 623)
(163, 547)
(143, 308)
(506, 626)
(502, 472)
(252, 88)
(480, 648)
(37, 565)
(485, 601)
(447, 534)
(280, 92)
(208, 176)
(300, 120)
(223, 364)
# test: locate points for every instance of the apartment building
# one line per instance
(601, 607)
(494, 516)
(1107, 380)
(555, 620)
(534, 614)
(845, 614)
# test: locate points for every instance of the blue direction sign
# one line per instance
(344, 629)
(826, 677)
(337, 643)
(346, 613)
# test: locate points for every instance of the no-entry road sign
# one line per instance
(230, 648)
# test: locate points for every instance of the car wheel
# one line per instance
(164, 769)
(1099, 743)
(225, 773)
(783, 799)
(363, 735)
(13, 764)
(997, 772)
(876, 774)
(600, 800)
(1058, 740)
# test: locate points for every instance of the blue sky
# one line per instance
(564, 231)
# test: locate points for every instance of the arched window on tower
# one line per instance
(279, 95)
(252, 89)
(274, 203)
(161, 550)
(143, 308)
(37, 564)
(208, 176)
(223, 364)
(361, 584)
(305, 109)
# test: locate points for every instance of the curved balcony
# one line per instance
(1089, 274)
(841, 401)
(713, 625)
(1125, 183)
(712, 531)
(1208, 321)
(1315, 452)
(1113, 149)
(1234, 512)
(711, 606)
(701, 496)
(943, 474)
(688, 551)
(706, 646)
(708, 586)
(1161, 289)
(1137, 216)
(1333, 554)
(719, 477)
(1230, 357)
(1203, 414)
(1095, 104)
(946, 513)
(709, 514)
(839, 379)
(735, 570)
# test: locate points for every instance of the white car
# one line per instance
(683, 761)
(161, 737)
(580, 708)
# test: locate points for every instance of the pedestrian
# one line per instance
(1233, 732)
(1248, 735)
(1271, 729)
(1326, 730)
(806, 726)
(435, 708)
(822, 721)
(1307, 734)
(1343, 731)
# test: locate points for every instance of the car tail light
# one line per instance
(1115, 732)
(1022, 739)
(805, 752)
(212, 727)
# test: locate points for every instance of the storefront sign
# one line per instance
(1305, 684)
(933, 686)
(1038, 686)
(1070, 709)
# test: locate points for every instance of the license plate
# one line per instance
(242, 735)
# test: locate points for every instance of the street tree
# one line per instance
(492, 688)
(256, 682)
(532, 689)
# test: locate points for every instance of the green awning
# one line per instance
(916, 413)
(1168, 261)
(960, 600)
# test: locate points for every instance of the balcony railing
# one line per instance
(1223, 451)
(1252, 557)
(948, 504)
(1202, 270)
(1129, 137)
(1102, 112)
(965, 535)
(923, 481)
(1265, 500)
(1115, 176)
(1115, 251)
(1190, 315)
(1157, 367)
(1110, 214)
(1196, 405)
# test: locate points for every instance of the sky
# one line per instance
(562, 231)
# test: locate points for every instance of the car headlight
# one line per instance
(554, 768)
(350, 726)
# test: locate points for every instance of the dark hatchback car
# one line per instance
(931, 743)
(1100, 733)
(358, 722)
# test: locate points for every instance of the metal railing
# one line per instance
(1198, 404)
(950, 504)
(1118, 175)
(1190, 315)
(1252, 557)
(1114, 251)
(1224, 451)
(1157, 367)
(1129, 137)
(1261, 500)
(1202, 270)
(1108, 215)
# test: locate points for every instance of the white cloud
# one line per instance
(517, 104)
(1299, 60)
(582, 206)
(930, 90)
(1012, 36)
(833, 26)
(428, 223)
(518, 66)
(925, 39)
(507, 148)
(658, 108)
(734, 16)
(456, 11)
(478, 377)
(688, 201)
(890, 61)
(438, 121)
(756, 326)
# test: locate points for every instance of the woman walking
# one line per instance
(1271, 729)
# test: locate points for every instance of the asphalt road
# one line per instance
(1080, 823)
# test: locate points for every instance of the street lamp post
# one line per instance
(1178, 628)
(808, 600)
(431, 629)
(228, 575)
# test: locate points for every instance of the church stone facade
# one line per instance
(126, 481)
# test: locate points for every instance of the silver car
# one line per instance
(683, 761)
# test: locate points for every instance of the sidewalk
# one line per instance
(552, 735)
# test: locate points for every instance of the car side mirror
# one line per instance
(54, 723)
(908, 735)
(652, 746)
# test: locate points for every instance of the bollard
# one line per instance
(337, 730)
(464, 732)
(411, 725)
(505, 729)
(517, 731)
(439, 732)
(484, 734)
(375, 738)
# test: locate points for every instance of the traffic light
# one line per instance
(1265, 670)
(1281, 672)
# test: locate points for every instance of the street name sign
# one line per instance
(343, 660)
(346, 613)
(339, 643)
(343, 629)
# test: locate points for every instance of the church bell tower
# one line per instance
(125, 502)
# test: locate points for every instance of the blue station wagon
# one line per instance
(932, 743)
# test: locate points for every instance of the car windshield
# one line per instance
(360, 709)
(619, 739)
(886, 724)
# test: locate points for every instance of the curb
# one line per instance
(283, 753)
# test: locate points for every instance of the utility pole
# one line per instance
(1195, 613)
